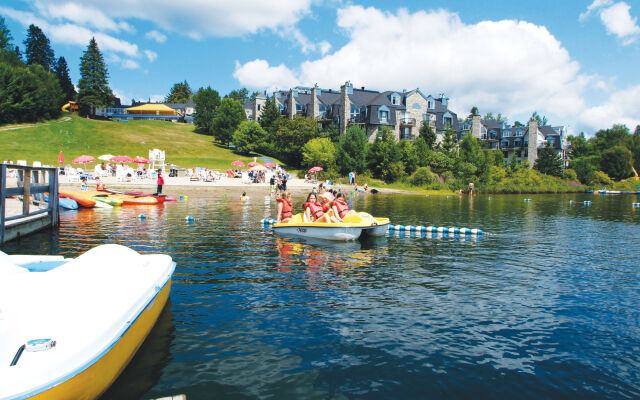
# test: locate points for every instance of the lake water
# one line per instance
(546, 304)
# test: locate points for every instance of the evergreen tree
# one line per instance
(229, 115)
(38, 49)
(93, 88)
(449, 142)
(62, 73)
(270, 114)
(5, 36)
(205, 101)
(428, 135)
(422, 151)
(382, 153)
(548, 162)
(352, 150)
(242, 95)
(179, 93)
(291, 135)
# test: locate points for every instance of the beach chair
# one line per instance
(72, 175)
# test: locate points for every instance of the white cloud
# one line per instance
(597, 4)
(512, 67)
(81, 15)
(157, 98)
(157, 36)
(199, 18)
(619, 22)
(130, 64)
(616, 18)
(324, 47)
(259, 74)
(151, 55)
(620, 108)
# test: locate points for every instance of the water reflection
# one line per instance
(544, 303)
(145, 369)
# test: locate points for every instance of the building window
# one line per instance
(448, 122)
(258, 107)
(405, 133)
(384, 116)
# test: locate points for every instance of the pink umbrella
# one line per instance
(60, 158)
(83, 159)
(141, 160)
(269, 165)
(238, 163)
(253, 164)
(123, 159)
(315, 169)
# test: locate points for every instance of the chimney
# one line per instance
(476, 127)
(345, 106)
(292, 104)
(315, 106)
(532, 149)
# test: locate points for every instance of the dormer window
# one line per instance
(384, 116)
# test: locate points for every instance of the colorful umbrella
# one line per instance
(269, 165)
(123, 159)
(141, 160)
(258, 167)
(253, 164)
(60, 158)
(238, 163)
(106, 157)
(315, 169)
(83, 159)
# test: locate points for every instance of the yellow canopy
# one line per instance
(157, 109)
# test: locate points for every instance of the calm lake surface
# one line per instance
(546, 304)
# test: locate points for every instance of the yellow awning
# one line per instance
(158, 109)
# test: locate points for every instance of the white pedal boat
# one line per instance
(351, 228)
(68, 328)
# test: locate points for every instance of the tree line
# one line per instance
(34, 86)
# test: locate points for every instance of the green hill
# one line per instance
(76, 136)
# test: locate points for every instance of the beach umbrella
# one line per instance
(83, 159)
(106, 157)
(238, 163)
(122, 159)
(60, 158)
(269, 165)
(315, 169)
(141, 160)
(258, 167)
(253, 164)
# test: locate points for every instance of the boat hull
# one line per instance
(377, 230)
(82, 198)
(338, 233)
(96, 379)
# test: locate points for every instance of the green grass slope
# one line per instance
(75, 136)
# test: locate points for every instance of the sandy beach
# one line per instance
(173, 185)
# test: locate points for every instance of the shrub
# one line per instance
(570, 175)
(601, 179)
(393, 172)
(423, 177)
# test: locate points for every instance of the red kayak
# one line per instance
(161, 198)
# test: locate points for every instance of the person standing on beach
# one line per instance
(160, 182)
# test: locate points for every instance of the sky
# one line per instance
(575, 62)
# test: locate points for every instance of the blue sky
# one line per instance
(574, 61)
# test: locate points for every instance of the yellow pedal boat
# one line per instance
(353, 226)
(68, 328)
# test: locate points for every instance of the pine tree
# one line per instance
(428, 135)
(93, 88)
(38, 49)
(270, 115)
(62, 73)
(5, 36)
(180, 93)
(548, 162)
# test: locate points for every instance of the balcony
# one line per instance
(407, 122)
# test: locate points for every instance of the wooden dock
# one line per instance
(22, 207)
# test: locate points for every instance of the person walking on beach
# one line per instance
(352, 178)
(160, 182)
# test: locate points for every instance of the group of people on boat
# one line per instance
(316, 207)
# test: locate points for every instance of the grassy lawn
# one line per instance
(76, 136)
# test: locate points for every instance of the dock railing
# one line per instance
(32, 183)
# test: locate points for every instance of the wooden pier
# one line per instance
(22, 206)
